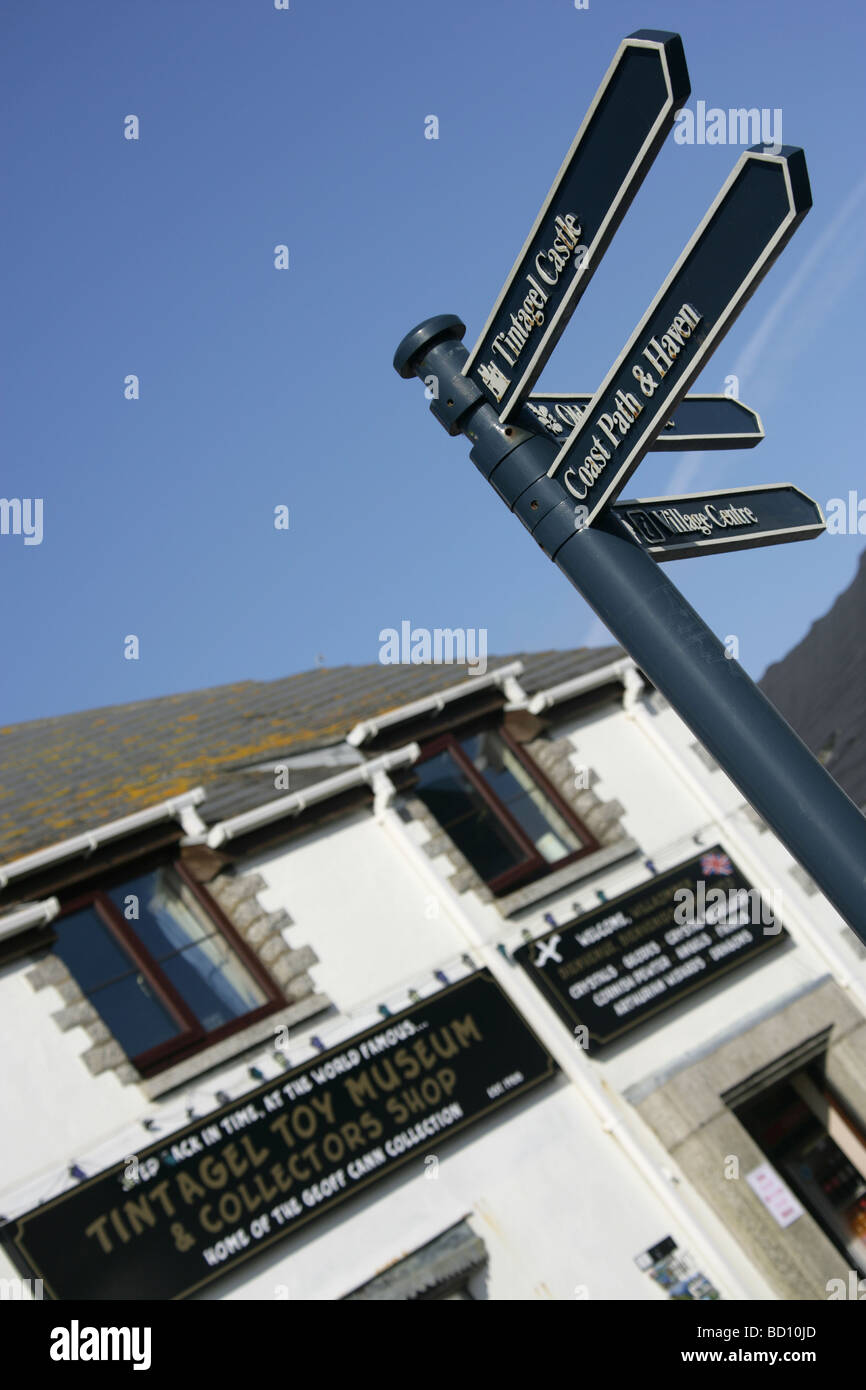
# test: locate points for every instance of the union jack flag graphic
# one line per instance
(715, 864)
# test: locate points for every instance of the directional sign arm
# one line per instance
(699, 421)
(751, 221)
(632, 112)
(711, 523)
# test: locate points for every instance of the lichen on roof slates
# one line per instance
(70, 773)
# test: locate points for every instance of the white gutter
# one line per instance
(33, 915)
(603, 675)
(368, 728)
(179, 806)
(319, 791)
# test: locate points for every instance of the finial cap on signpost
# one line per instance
(419, 342)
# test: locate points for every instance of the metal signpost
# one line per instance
(566, 491)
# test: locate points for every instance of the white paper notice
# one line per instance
(776, 1196)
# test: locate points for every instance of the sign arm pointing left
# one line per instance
(699, 421)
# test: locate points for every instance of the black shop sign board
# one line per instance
(212, 1195)
(627, 960)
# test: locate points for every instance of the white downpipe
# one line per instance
(744, 852)
(579, 1073)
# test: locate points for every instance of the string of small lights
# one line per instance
(202, 1102)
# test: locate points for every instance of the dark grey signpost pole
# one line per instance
(565, 493)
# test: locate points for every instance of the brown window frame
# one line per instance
(192, 1038)
(536, 866)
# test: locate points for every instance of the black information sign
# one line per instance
(699, 421)
(632, 112)
(709, 523)
(616, 966)
(751, 221)
(219, 1191)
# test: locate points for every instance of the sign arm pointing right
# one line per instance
(753, 218)
(631, 114)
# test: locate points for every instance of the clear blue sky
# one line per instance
(262, 387)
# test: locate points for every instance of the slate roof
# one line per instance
(820, 688)
(62, 776)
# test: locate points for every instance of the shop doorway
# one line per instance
(818, 1147)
